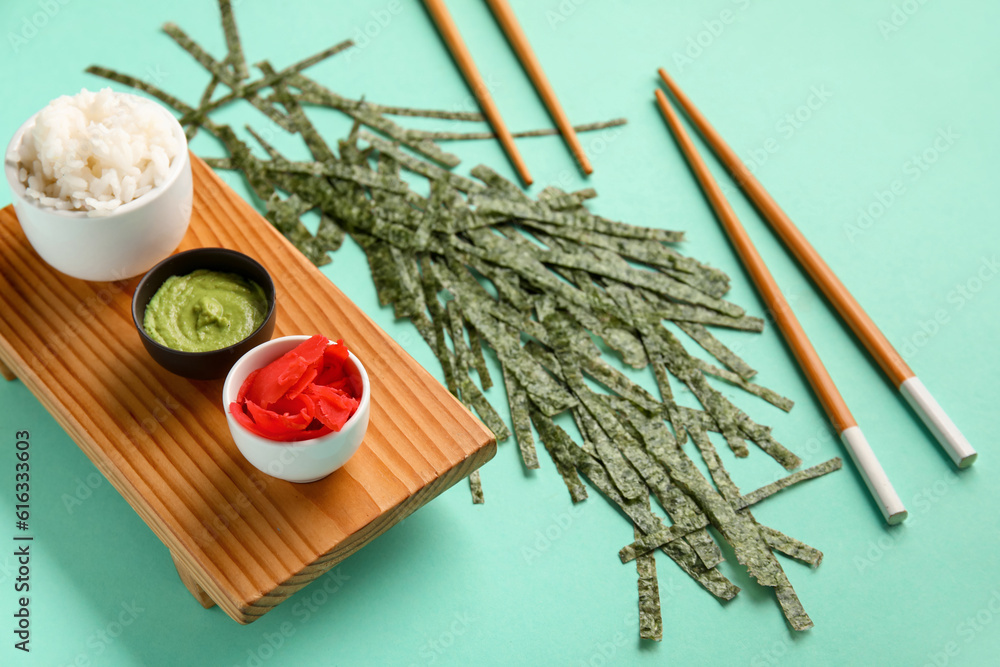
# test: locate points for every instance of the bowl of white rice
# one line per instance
(101, 183)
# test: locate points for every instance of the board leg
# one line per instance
(203, 598)
(6, 372)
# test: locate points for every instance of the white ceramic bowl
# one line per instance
(307, 460)
(129, 241)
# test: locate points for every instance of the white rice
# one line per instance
(96, 151)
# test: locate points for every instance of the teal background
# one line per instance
(527, 578)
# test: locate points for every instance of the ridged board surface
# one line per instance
(246, 539)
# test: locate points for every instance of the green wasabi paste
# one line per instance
(204, 310)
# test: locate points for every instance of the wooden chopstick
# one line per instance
(460, 52)
(519, 41)
(905, 380)
(833, 403)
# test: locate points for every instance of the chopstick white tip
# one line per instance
(897, 518)
(937, 420)
(875, 478)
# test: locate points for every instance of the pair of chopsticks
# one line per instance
(937, 421)
(519, 41)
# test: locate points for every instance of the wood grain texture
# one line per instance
(243, 538)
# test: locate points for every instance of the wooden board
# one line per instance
(240, 538)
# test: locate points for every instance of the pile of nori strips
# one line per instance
(544, 284)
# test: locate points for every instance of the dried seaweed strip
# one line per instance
(667, 395)
(224, 163)
(678, 506)
(678, 362)
(418, 166)
(738, 529)
(560, 200)
(332, 204)
(478, 358)
(219, 70)
(493, 179)
(791, 547)
(471, 395)
(720, 409)
(753, 550)
(761, 436)
(815, 471)
(645, 543)
(543, 391)
(651, 280)
(625, 477)
(206, 96)
(476, 488)
(375, 121)
(329, 233)
(708, 283)
(530, 270)
(144, 86)
(561, 457)
(618, 382)
(618, 338)
(250, 89)
(663, 309)
(526, 210)
(792, 608)
(650, 619)
(769, 395)
(544, 132)
(720, 476)
(680, 552)
(456, 330)
(436, 311)
(467, 290)
(520, 418)
(235, 58)
(284, 215)
(651, 253)
(344, 172)
(297, 118)
(319, 99)
(717, 349)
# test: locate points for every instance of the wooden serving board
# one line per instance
(240, 538)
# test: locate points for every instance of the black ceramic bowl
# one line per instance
(216, 363)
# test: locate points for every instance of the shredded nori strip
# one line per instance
(551, 288)
(546, 132)
(650, 619)
(476, 487)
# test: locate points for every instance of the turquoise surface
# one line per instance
(874, 124)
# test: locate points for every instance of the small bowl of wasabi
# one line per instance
(199, 311)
